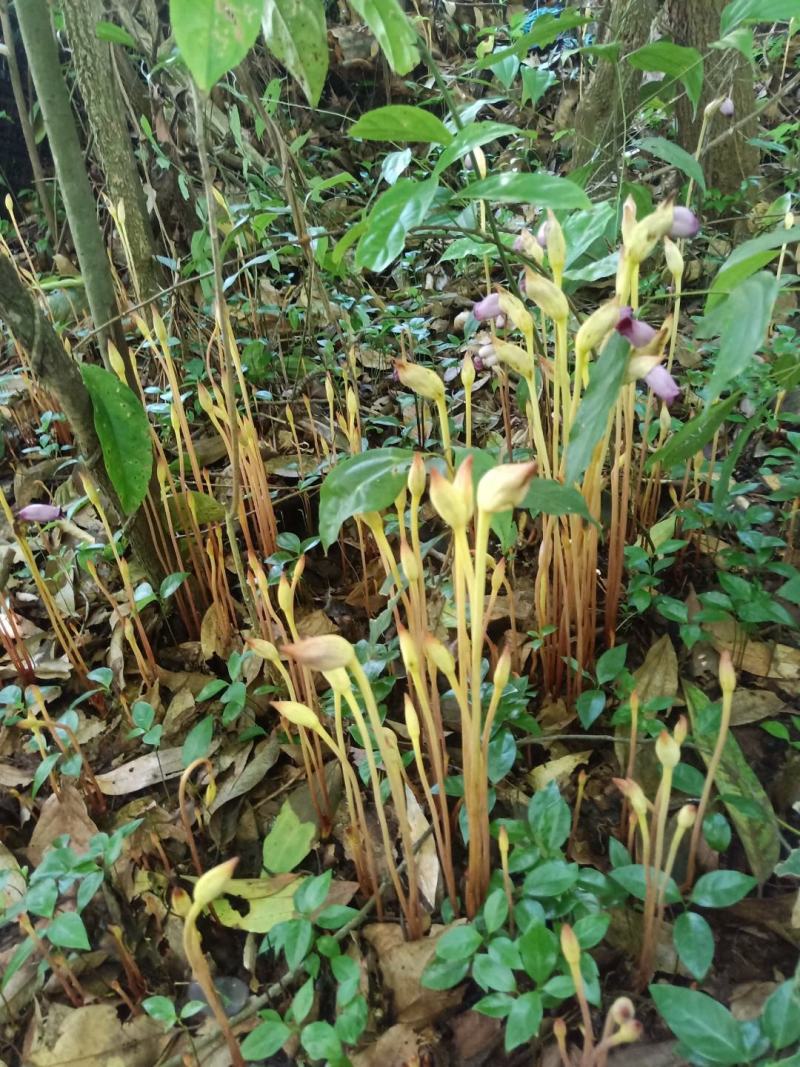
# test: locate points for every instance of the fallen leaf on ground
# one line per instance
(296, 827)
(753, 705)
(558, 770)
(398, 1047)
(401, 964)
(270, 901)
(755, 657)
(145, 771)
(93, 1036)
(64, 815)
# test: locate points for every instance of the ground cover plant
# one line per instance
(399, 573)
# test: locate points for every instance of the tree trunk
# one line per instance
(612, 94)
(97, 82)
(733, 160)
(59, 375)
(43, 62)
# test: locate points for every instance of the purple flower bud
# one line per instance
(663, 384)
(39, 513)
(634, 330)
(522, 284)
(542, 232)
(684, 223)
(727, 108)
(500, 321)
(488, 308)
(477, 363)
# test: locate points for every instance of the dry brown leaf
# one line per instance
(315, 624)
(11, 879)
(558, 770)
(66, 814)
(401, 964)
(93, 1036)
(748, 999)
(144, 771)
(426, 859)
(398, 1047)
(755, 657)
(753, 705)
(212, 640)
(475, 1037)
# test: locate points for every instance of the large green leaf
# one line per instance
(546, 29)
(741, 321)
(393, 214)
(544, 190)
(676, 61)
(747, 259)
(739, 787)
(214, 35)
(547, 497)
(605, 381)
(701, 1023)
(296, 34)
(124, 433)
(473, 136)
(694, 434)
(367, 482)
(739, 11)
(676, 156)
(393, 32)
(401, 122)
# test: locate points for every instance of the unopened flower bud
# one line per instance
(681, 731)
(439, 656)
(727, 108)
(622, 1010)
(453, 500)
(505, 487)
(596, 328)
(39, 513)
(408, 650)
(668, 751)
(298, 714)
(674, 259)
(686, 816)
(488, 308)
(408, 561)
(265, 649)
(555, 243)
(324, 652)
(502, 843)
(502, 671)
(416, 476)
(213, 883)
(412, 720)
(467, 372)
(460, 321)
(338, 679)
(547, 296)
(570, 946)
(510, 355)
(727, 675)
(420, 380)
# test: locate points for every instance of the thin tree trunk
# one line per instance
(25, 121)
(725, 72)
(57, 372)
(603, 115)
(43, 62)
(96, 79)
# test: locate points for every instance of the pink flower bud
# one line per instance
(727, 108)
(477, 363)
(39, 513)
(542, 232)
(634, 330)
(663, 384)
(684, 223)
(488, 308)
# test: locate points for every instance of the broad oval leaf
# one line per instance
(633, 878)
(605, 381)
(544, 190)
(393, 214)
(547, 497)
(401, 122)
(676, 156)
(393, 32)
(739, 11)
(296, 34)
(694, 943)
(471, 137)
(781, 1016)
(746, 259)
(701, 1023)
(720, 889)
(367, 482)
(214, 35)
(124, 434)
(676, 61)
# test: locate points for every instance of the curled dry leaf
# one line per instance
(93, 1036)
(67, 815)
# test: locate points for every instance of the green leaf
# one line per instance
(110, 31)
(471, 137)
(741, 321)
(611, 663)
(538, 948)
(547, 497)
(313, 893)
(124, 433)
(676, 156)
(67, 931)
(444, 974)
(296, 34)
(781, 1017)
(545, 190)
(740, 11)
(746, 259)
(393, 32)
(401, 122)
(535, 83)
(186, 509)
(676, 61)
(701, 1023)
(161, 1009)
(370, 481)
(321, 1041)
(694, 434)
(495, 1005)
(458, 943)
(589, 706)
(717, 831)
(591, 929)
(737, 783)
(741, 39)
(490, 974)
(546, 29)
(171, 584)
(495, 910)
(694, 943)
(394, 213)
(790, 867)
(524, 1020)
(549, 818)
(720, 889)
(214, 35)
(290, 839)
(605, 381)
(632, 878)
(551, 879)
(267, 1038)
(198, 741)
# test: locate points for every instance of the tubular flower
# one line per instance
(684, 223)
(421, 380)
(546, 296)
(595, 328)
(727, 108)
(634, 330)
(663, 384)
(505, 487)
(39, 513)
(530, 246)
(324, 652)
(488, 308)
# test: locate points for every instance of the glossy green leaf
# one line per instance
(401, 123)
(748, 258)
(589, 706)
(544, 190)
(394, 213)
(739, 11)
(393, 31)
(694, 943)
(198, 741)
(535, 83)
(720, 889)
(606, 375)
(124, 433)
(781, 1017)
(110, 31)
(676, 61)
(471, 137)
(632, 878)
(741, 321)
(296, 34)
(491, 975)
(547, 497)
(549, 819)
(694, 434)
(267, 1038)
(524, 1020)
(444, 974)
(67, 931)
(321, 1042)
(591, 929)
(736, 782)
(676, 156)
(495, 1005)
(546, 29)
(701, 1023)
(458, 943)
(370, 481)
(495, 910)
(214, 35)
(551, 879)
(717, 831)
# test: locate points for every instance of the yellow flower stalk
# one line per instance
(428, 385)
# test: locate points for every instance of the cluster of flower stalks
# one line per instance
(554, 363)
(430, 666)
